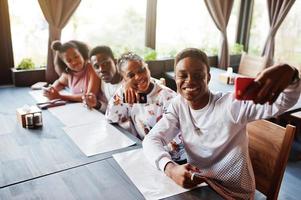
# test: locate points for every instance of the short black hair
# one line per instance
(194, 53)
(101, 49)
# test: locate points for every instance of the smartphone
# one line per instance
(142, 98)
(241, 84)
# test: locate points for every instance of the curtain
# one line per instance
(57, 14)
(6, 50)
(277, 10)
(150, 24)
(220, 11)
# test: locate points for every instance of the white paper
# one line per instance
(151, 182)
(75, 114)
(38, 96)
(98, 137)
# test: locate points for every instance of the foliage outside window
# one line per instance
(288, 40)
(259, 27)
(119, 24)
(26, 63)
(29, 31)
(189, 24)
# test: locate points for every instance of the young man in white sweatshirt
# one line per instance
(213, 125)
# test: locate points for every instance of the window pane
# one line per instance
(117, 23)
(288, 40)
(189, 24)
(29, 31)
(259, 27)
(232, 28)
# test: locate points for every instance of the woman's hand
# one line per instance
(90, 100)
(51, 93)
(130, 95)
(182, 174)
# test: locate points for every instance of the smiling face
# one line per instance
(136, 75)
(104, 66)
(192, 78)
(73, 59)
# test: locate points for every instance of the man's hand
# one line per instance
(271, 82)
(182, 174)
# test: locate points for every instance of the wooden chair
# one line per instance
(269, 148)
(251, 65)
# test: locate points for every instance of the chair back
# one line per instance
(269, 148)
(251, 65)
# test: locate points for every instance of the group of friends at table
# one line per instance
(192, 135)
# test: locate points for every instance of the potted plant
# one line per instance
(26, 73)
(235, 55)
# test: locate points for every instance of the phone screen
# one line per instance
(142, 98)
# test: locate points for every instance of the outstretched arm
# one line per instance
(278, 89)
(272, 81)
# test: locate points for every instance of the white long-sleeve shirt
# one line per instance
(215, 137)
(106, 93)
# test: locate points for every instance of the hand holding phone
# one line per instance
(138, 98)
(245, 88)
(142, 98)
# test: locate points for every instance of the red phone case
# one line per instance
(241, 84)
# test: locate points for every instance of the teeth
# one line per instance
(190, 89)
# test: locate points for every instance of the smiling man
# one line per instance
(104, 64)
(213, 125)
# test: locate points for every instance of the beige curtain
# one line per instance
(278, 10)
(220, 11)
(57, 14)
(150, 24)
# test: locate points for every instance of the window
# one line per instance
(189, 24)
(232, 28)
(119, 24)
(29, 31)
(259, 27)
(288, 40)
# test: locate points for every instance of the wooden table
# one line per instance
(45, 163)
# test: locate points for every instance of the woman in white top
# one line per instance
(213, 126)
(140, 103)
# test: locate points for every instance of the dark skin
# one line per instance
(106, 69)
(269, 85)
(136, 78)
(192, 78)
(75, 62)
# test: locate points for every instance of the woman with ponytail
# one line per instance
(76, 73)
